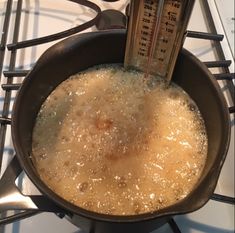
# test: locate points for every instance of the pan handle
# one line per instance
(11, 198)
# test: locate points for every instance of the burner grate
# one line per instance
(27, 43)
(11, 73)
(218, 48)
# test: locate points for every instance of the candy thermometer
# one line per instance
(156, 33)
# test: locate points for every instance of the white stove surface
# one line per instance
(40, 18)
(227, 17)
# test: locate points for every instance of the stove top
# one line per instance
(41, 18)
(226, 15)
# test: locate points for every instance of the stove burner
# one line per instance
(111, 19)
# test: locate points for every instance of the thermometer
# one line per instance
(156, 33)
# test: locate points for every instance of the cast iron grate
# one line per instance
(12, 72)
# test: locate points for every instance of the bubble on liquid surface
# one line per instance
(108, 141)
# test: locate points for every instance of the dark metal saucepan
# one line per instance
(80, 52)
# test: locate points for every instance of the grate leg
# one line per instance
(173, 225)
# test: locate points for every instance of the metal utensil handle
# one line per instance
(11, 198)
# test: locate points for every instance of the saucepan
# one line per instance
(80, 52)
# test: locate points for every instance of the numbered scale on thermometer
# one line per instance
(156, 32)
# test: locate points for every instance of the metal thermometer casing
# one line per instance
(173, 21)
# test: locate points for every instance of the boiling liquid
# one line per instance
(108, 141)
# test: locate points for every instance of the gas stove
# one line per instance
(210, 37)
